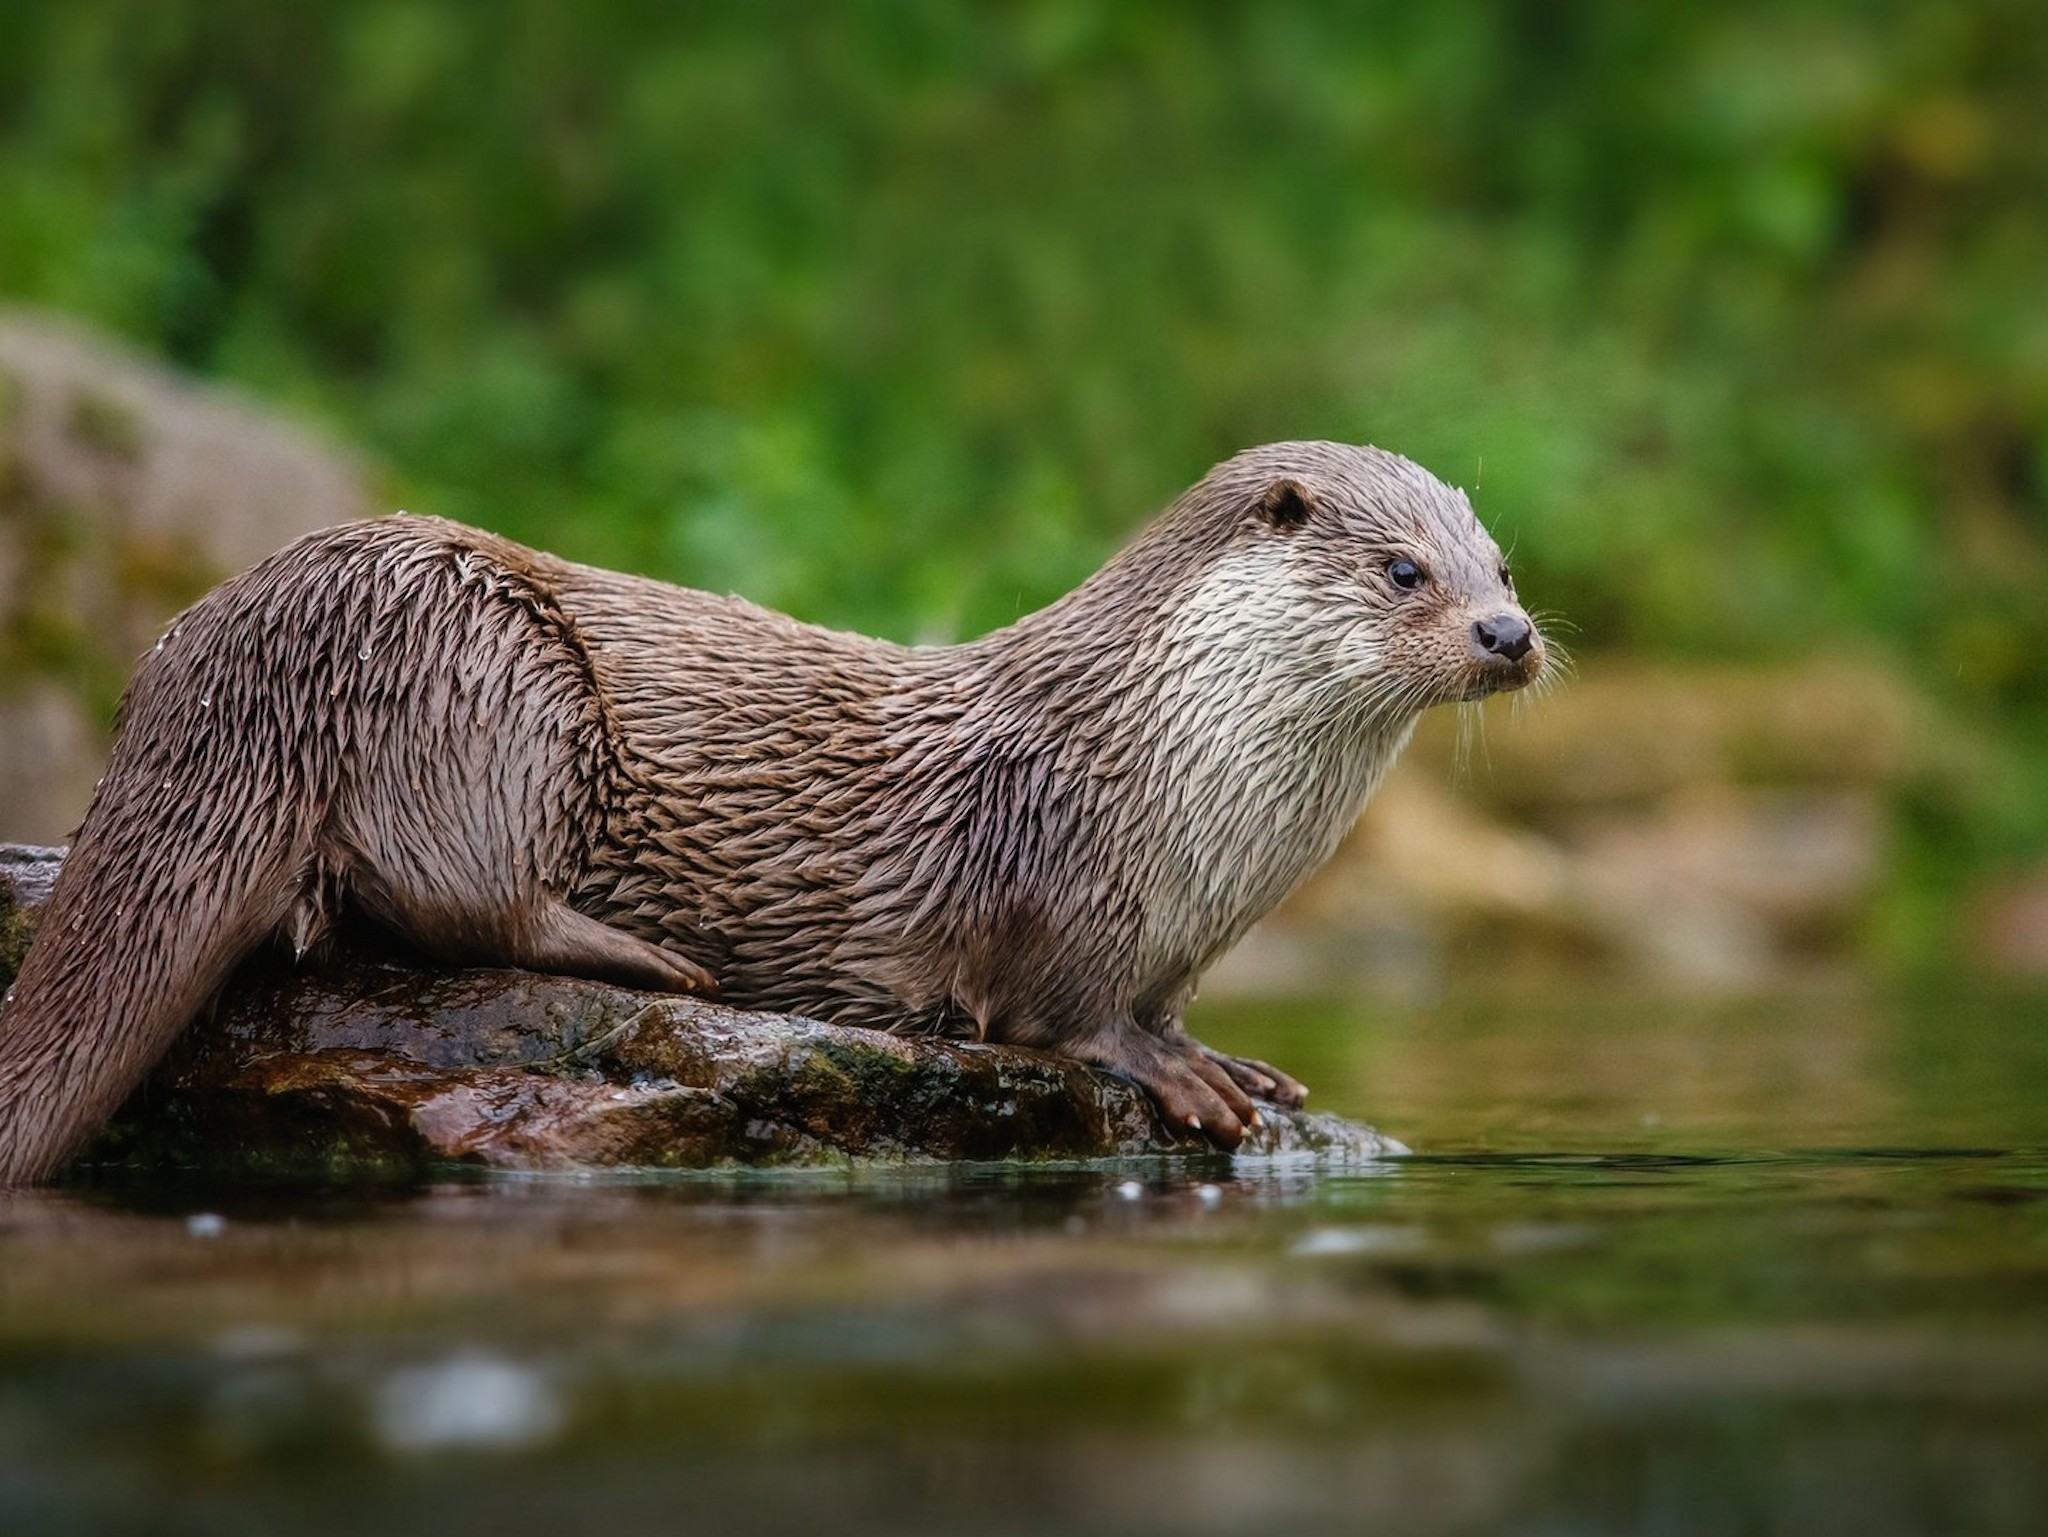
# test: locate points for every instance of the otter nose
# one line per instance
(1506, 636)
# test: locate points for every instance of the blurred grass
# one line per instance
(899, 315)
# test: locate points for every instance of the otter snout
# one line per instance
(1508, 636)
(1508, 650)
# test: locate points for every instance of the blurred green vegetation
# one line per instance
(1733, 316)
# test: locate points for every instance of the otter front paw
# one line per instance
(1190, 1090)
(1259, 1079)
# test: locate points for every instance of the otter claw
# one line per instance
(1260, 1078)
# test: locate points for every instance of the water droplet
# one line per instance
(364, 654)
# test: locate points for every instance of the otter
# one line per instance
(1040, 837)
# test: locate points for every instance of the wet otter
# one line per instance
(1041, 837)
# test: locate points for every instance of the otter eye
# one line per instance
(1506, 580)
(1405, 574)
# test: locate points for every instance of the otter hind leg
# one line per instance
(532, 930)
(575, 944)
(466, 911)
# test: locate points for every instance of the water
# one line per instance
(1772, 1268)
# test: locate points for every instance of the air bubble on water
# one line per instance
(1363, 1238)
(1131, 1190)
(206, 1224)
(473, 1402)
(256, 1342)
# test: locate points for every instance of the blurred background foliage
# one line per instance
(1730, 315)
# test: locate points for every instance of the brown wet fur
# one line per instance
(1040, 837)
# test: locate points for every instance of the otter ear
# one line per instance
(1285, 504)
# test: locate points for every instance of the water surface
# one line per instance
(1681, 1268)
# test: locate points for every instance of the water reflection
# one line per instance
(1814, 1306)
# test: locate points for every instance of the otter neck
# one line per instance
(1212, 701)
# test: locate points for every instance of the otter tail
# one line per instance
(392, 712)
(196, 847)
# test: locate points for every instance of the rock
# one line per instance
(2007, 924)
(26, 876)
(1728, 889)
(1625, 734)
(1702, 829)
(126, 490)
(371, 1063)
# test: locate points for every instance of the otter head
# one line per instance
(1402, 590)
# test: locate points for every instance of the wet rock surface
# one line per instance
(369, 1063)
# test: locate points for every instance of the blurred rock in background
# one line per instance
(1704, 828)
(126, 490)
(2007, 928)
